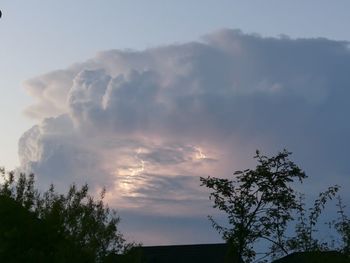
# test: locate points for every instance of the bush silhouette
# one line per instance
(52, 227)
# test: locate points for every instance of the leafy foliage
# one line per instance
(79, 228)
(342, 225)
(22, 235)
(306, 224)
(258, 203)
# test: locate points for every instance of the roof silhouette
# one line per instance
(314, 257)
(199, 253)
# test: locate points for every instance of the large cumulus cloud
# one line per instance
(147, 123)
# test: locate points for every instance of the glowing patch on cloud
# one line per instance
(199, 154)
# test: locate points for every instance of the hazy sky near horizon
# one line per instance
(146, 96)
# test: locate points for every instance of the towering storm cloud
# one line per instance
(147, 124)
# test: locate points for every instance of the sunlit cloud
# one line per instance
(147, 124)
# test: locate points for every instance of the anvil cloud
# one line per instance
(146, 124)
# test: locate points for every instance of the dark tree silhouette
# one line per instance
(307, 220)
(258, 203)
(22, 235)
(69, 228)
(342, 226)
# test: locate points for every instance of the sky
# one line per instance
(146, 97)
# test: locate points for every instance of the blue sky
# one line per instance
(179, 44)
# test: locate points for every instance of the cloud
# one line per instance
(53, 148)
(147, 124)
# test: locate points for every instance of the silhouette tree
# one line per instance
(77, 227)
(258, 203)
(22, 235)
(305, 228)
(342, 226)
